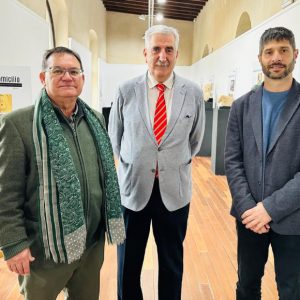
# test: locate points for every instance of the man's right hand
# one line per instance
(20, 263)
(264, 229)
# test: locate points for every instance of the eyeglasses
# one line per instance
(59, 72)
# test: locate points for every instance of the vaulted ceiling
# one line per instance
(186, 10)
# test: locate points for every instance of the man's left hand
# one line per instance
(20, 263)
(256, 218)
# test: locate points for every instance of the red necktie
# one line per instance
(160, 115)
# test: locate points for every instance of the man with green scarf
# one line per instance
(58, 187)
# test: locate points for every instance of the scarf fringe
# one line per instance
(116, 231)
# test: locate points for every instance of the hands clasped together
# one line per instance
(257, 219)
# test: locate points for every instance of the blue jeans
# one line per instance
(253, 255)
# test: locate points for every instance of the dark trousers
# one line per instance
(169, 229)
(253, 255)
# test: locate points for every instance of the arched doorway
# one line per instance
(60, 16)
(244, 24)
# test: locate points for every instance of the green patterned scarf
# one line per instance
(62, 222)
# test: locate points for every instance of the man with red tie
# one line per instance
(156, 126)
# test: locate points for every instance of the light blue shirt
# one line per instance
(272, 105)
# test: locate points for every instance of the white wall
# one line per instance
(24, 37)
(86, 59)
(240, 56)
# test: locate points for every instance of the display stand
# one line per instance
(220, 118)
(205, 149)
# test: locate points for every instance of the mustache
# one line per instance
(162, 63)
(277, 65)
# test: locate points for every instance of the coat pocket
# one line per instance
(185, 178)
(125, 173)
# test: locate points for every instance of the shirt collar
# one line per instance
(78, 112)
(74, 114)
(152, 82)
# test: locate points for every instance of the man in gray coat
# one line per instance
(156, 127)
(262, 164)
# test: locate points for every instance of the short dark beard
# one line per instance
(288, 70)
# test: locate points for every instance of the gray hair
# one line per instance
(162, 29)
(59, 50)
(277, 34)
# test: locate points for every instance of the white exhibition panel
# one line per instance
(24, 39)
(115, 74)
(102, 75)
(238, 58)
(184, 71)
(15, 88)
(86, 59)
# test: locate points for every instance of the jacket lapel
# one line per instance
(256, 115)
(290, 107)
(142, 100)
(178, 98)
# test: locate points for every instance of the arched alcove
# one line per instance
(244, 24)
(60, 16)
(205, 51)
(93, 45)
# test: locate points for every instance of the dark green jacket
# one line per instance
(19, 211)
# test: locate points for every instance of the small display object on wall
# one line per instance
(225, 101)
(231, 84)
(5, 103)
(15, 88)
(208, 90)
(258, 77)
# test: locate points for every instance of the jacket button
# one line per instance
(153, 170)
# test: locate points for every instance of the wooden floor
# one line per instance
(210, 250)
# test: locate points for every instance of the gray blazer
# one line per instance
(279, 188)
(134, 143)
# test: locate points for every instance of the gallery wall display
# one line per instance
(225, 101)
(258, 77)
(208, 90)
(15, 86)
(231, 83)
(242, 56)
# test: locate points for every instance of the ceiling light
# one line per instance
(159, 17)
(161, 1)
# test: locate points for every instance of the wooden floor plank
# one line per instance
(210, 250)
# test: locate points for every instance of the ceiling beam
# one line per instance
(157, 9)
(168, 16)
(145, 2)
(174, 9)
